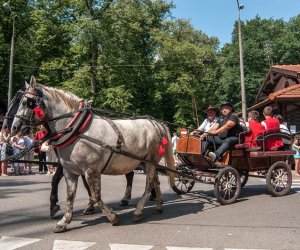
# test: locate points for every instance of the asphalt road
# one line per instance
(191, 221)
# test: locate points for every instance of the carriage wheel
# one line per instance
(244, 175)
(183, 185)
(279, 179)
(227, 185)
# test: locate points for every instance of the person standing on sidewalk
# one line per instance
(4, 143)
(29, 140)
(42, 155)
(296, 148)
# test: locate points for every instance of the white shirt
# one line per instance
(174, 141)
(207, 125)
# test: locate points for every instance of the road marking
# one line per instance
(129, 247)
(188, 248)
(245, 249)
(10, 243)
(68, 245)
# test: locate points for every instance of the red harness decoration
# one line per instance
(80, 130)
(39, 113)
(164, 142)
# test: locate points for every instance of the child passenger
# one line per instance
(256, 129)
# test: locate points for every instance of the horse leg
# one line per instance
(157, 192)
(54, 208)
(90, 209)
(71, 181)
(150, 172)
(127, 196)
(94, 180)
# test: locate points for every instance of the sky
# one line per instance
(217, 17)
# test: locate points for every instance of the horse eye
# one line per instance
(24, 103)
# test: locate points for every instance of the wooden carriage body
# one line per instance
(189, 150)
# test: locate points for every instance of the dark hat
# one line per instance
(227, 104)
(211, 107)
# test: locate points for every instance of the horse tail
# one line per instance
(169, 155)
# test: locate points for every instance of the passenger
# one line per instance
(211, 122)
(256, 129)
(226, 134)
(271, 125)
(244, 126)
(284, 129)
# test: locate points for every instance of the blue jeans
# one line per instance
(224, 144)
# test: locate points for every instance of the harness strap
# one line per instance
(130, 155)
(120, 139)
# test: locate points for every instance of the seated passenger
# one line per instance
(271, 125)
(226, 134)
(256, 129)
(284, 129)
(211, 122)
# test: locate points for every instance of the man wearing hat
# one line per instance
(227, 133)
(211, 122)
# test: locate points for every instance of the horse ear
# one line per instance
(26, 85)
(32, 82)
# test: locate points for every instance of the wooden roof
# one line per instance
(278, 78)
(282, 83)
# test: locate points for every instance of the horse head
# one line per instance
(23, 106)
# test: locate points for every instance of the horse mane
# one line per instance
(71, 100)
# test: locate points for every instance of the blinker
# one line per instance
(31, 103)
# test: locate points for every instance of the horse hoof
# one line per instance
(115, 221)
(54, 210)
(60, 229)
(89, 210)
(124, 203)
(137, 217)
(157, 211)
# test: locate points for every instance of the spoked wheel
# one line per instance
(279, 179)
(227, 185)
(183, 185)
(244, 175)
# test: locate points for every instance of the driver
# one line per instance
(226, 134)
(211, 122)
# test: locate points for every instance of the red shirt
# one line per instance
(272, 125)
(40, 135)
(256, 129)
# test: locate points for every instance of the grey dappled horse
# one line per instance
(54, 207)
(141, 137)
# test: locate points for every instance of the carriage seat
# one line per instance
(266, 135)
(242, 144)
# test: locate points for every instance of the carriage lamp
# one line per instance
(12, 45)
(243, 94)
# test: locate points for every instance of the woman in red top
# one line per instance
(256, 129)
(271, 125)
(42, 155)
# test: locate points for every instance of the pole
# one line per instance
(243, 94)
(11, 61)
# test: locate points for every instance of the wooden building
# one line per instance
(281, 90)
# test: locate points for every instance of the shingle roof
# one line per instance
(294, 68)
(289, 93)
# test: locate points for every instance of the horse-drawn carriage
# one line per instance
(232, 172)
